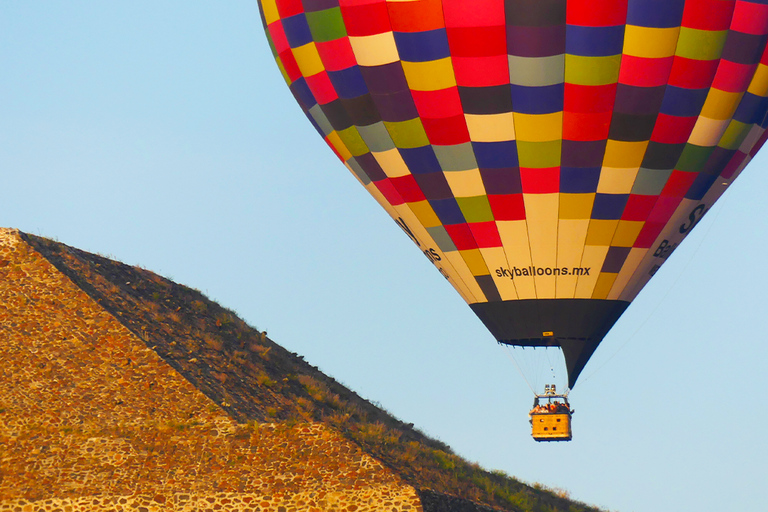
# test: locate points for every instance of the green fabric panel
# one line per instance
(734, 135)
(700, 44)
(442, 239)
(650, 182)
(326, 25)
(538, 155)
(353, 141)
(536, 71)
(376, 137)
(460, 157)
(693, 158)
(476, 208)
(407, 134)
(582, 70)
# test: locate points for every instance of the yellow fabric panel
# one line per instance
(576, 206)
(593, 259)
(308, 59)
(707, 132)
(491, 127)
(633, 260)
(626, 233)
(720, 104)
(617, 180)
(426, 215)
(465, 183)
(496, 259)
(514, 233)
(539, 127)
(475, 262)
(601, 231)
(571, 234)
(269, 7)
(335, 141)
(432, 75)
(392, 163)
(650, 42)
(759, 84)
(541, 215)
(461, 271)
(375, 50)
(603, 285)
(624, 154)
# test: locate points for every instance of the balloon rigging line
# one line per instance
(724, 199)
(509, 354)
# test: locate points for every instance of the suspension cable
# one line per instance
(509, 354)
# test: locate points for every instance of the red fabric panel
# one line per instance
(322, 88)
(540, 181)
(638, 207)
(507, 207)
(366, 19)
(477, 41)
(596, 13)
(733, 77)
(678, 183)
(586, 126)
(707, 14)
(446, 131)
(440, 103)
(692, 74)
(461, 236)
(486, 234)
(481, 71)
(389, 192)
(416, 16)
(644, 72)
(672, 129)
(408, 189)
(461, 13)
(750, 18)
(337, 54)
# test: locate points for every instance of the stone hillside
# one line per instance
(121, 390)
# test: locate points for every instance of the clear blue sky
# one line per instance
(162, 134)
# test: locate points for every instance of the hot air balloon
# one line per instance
(546, 155)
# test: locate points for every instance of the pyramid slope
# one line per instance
(134, 371)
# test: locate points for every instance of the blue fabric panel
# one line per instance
(655, 13)
(420, 160)
(700, 186)
(349, 83)
(579, 180)
(594, 41)
(538, 100)
(422, 46)
(448, 211)
(297, 30)
(303, 95)
(609, 206)
(683, 102)
(496, 155)
(751, 109)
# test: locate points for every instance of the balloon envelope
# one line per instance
(547, 156)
